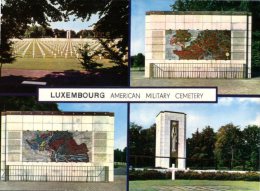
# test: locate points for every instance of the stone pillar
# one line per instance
(170, 139)
(68, 34)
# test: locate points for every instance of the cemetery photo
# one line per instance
(63, 44)
(63, 146)
(182, 43)
(195, 146)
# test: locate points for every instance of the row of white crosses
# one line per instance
(55, 48)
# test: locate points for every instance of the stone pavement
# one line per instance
(118, 185)
(192, 188)
(225, 86)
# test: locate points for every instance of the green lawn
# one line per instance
(169, 185)
(52, 64)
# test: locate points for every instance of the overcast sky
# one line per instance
(120, 111)
(239, 111)
(138, 10)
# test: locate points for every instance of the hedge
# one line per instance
(192, 175)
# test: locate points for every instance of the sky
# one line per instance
(138, 10)
(119, 109)
(239, 111)
(75, 25)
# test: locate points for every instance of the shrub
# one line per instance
(192, 175)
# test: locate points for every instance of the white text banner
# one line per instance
(128, 94)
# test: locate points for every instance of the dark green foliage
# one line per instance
(120, 156)
(25, 104)
(229, 148)
(138, 60)
(200, 149)
(192, 175)
(86, 57)
(141, 145)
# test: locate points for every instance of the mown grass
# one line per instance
(154, 185)
(52, 64)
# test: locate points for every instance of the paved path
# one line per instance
(225, 86)
(118, 185)
(192, 188)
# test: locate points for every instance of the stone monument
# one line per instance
(198, 44)
(57, 146)
(170, 139)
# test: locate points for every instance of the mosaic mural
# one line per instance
(198, 44)
(56, 146)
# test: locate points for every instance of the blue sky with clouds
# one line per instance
(239, 111)
(119, 109)
(138, 10)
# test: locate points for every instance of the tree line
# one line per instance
(229, 148)
(36, 31)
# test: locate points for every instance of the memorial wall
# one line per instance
(55, 146)
(198, 44)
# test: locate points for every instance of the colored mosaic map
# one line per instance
(198, 44)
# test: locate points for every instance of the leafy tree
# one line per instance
(142, 145)
(228, 147)
(138, 60)
(120, 155)
(251, 147)
(114, 24)
(200, 148)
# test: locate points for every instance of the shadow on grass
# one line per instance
(114, 76)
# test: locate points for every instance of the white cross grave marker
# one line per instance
(173, 169)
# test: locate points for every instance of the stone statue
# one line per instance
(174, 136)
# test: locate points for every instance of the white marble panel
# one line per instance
(216, 18)
(28, 118)
(189, 18)
(170, 18)
(100, 119)
(170, 26)
(15, 126)
(156, 26)
(47, 119)
(57, 127)
(86, 127)
(67, 127)
(180, 25)
(207, 18)
(179, 18)
(157, 18)
(28, 126)
(13, 118)
(101, 127)
(47, 127)
(239, 26)
(225, 19)
(239, 19)
(206, 26)
(67, 119)
(37, 127)
(87, 119)
(37, 118)
(57, 119)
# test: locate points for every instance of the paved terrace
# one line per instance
(225, 86)
(118, 185)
